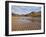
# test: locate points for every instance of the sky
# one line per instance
(24, 9)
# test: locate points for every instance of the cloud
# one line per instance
(24, 9)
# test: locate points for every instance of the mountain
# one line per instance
(30, 14)
(34, 14)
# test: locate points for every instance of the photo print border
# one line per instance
(7, 17)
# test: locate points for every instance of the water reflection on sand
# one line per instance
(26, 23)
(24, 20)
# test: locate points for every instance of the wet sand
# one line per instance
(22, 23)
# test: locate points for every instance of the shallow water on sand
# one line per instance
(24, 20)
(26, 23)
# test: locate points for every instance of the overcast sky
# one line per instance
(24, 9)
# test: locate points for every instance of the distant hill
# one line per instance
(15, 14)
(30, 14)
(36, 13)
